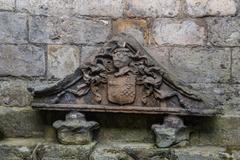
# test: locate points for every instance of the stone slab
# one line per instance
(199, 8)
(14, 93)
(7, 5)
(179, 32)
(152, 8)
(201, 64)
(20, 122)
(224, 31)
(62, 60)
(13, 27)
(22, 60)
(113, 8)
(61, 30)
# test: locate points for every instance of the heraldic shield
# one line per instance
(122, 89)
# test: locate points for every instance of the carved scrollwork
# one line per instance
(123, 73)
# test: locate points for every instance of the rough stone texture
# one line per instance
(22, 60)
(8, 5)
(62, 60)
(18, 149)
(201, 64)
(136, 28)
(222, 94)
(13, 27)
(68, 30)
(224, 31)
(87, 52)
(199, 8)
(152, 8)
(14, 93)
(199, 153)
(71, 8)
(20, 122)
(219, 131)
(64, 152)
(171, 133)
(26, 149)
(236, 64)
(75, 130)
(110, 154)
(179, 32)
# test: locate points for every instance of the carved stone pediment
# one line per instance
(123, 77)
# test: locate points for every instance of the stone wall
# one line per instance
(42, 41)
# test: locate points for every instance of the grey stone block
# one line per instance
(236, 64)
(22, 60)
(199, 153)
(62, 60)
(18, 149)
(113, 8)
(224, 31)
(14, 93)
(87, 52)
(179, 32)
(152, 8)
(13, 27)
(53, 151)
(201, 64)
(199, 8)
(219, 131)
(56, 30)
(20, 122)
(8, 5)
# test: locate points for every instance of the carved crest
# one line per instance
(122, 77)
(122, 90)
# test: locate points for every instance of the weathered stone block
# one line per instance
(13, 27)
(236, 64)
(18, 149)
(112, 8)
(14, 93)
(179, 32)
(75, 129)
(152, 8)
(160, 54)
(64, 152)
(7, 5)
(136, 28)
(224, 31)
(199, 153)
(62, 60)
(109, 154)
(201, 64)
(20, 122)
(68, 30)
(22, 60)
(198, 8)
(219, 131)
(220, 93)
(88, 51)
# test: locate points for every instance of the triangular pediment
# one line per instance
(123, 77)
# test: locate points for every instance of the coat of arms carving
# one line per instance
(122, 77)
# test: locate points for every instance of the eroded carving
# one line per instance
(171, 133)
(122, 73)
(75, 129)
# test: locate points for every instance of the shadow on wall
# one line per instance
(137, 128)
